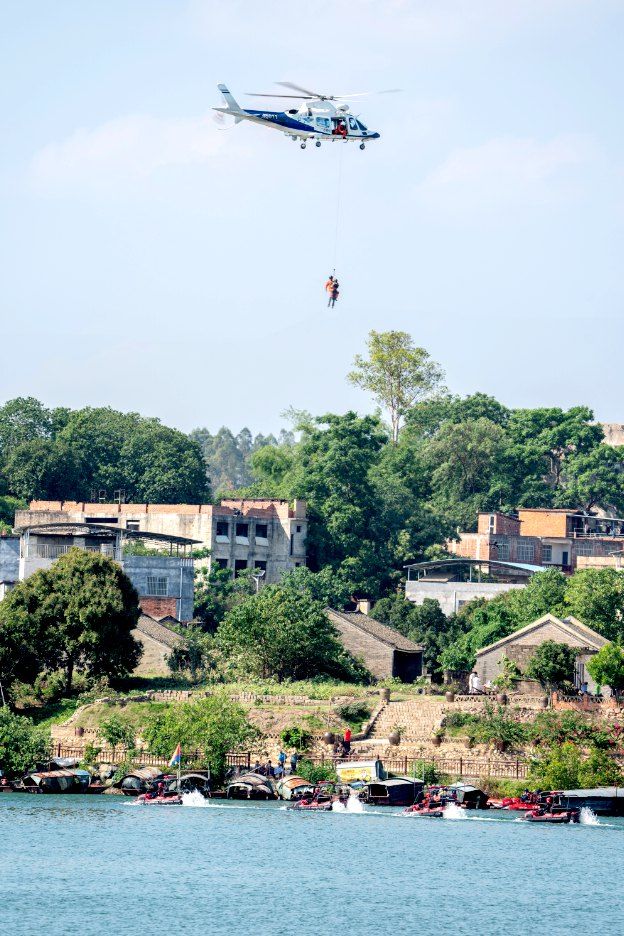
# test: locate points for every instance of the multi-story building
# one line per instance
(540, 536)
(164, 582)
(264, 534)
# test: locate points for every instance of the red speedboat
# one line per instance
(147, 799)
(553, 818)
(324, 796)
(424, 809)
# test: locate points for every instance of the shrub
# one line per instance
(117, 730)
(563, 768)
(22, 745)
(296, 737)
(315, 773)
(354, 713)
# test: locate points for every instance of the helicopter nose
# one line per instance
(374, 136)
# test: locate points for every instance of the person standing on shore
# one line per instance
(347, 741)
(294, 760)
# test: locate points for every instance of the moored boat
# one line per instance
(294, 788)
(398, 791)
(251, 786)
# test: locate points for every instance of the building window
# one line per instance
(491, 523)
(501, 552)
(242, 529)
(260, 565)
(546, 552)
(262, 530)
(223, 528)
(222, 563)
(239, 565)
(584, 548)
(132, 525)
(298, 528)
(157, 585)
(526, 552)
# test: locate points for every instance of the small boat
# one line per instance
(251, 786)
(294, 788)
(56, 781)
(423, 809)
(146, 799)
(399, 791)
(552, 818)
(140, 780)
(468, 796)
(323, 797)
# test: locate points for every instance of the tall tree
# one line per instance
(78, 614)
(397, 373)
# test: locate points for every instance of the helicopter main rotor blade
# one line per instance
(295, 97)
(306, 91)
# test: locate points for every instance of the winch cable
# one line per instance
(338, 200)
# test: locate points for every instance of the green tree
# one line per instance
(78, 614)
(285, 634)
(117, 730)
(397, 373)
(425, 624)
(593, 478)
(596, 597)
(216, 591)
(562, 767)
(324, 586)
(607, 667)
(22, 744)
(23, 420)
(215, 725)
(552, 663)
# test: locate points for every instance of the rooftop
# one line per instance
(375, 629)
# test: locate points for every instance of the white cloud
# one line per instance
(127, 149)
(507, 173)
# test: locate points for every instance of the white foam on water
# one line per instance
(453, 811)
(588, 816)
(337, 806)
(353, 805)
(194, 799)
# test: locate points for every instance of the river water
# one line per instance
(102, 865)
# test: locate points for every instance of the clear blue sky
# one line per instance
(155, 262)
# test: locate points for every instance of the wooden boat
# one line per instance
(140, 780)
(251, 786)
(468, 796)
(56, 781)
(399, 791)
(294, 787)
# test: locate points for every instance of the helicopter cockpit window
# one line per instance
(362, 127)
(353, 124)
(323, 123)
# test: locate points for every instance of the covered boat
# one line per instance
(468, 796)
(294, 787)
(367, 771)
(251, 786)
(399, 791)
(604, 801)
(57, 781)
(140, 780)
(189, 782)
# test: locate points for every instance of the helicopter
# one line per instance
(317, 118)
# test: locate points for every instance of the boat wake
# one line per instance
(353, 805)
(453, 811)
(194, 799)
(588, 816)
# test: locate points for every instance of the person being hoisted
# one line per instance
(333, 293)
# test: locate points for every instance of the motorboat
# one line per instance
(323, 797)
(148, 799)
(424, 809)
(468, 796)
(140, 780)
(552, 818)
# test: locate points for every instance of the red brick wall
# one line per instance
(159, 607)
(543, 522)
(504, 524)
